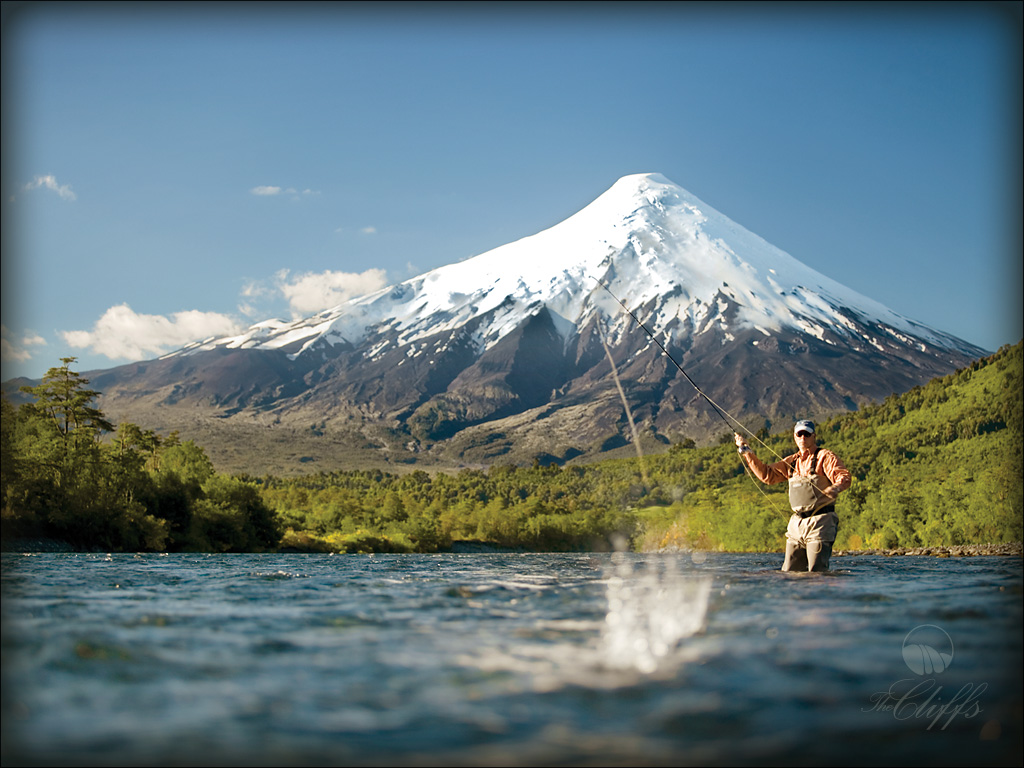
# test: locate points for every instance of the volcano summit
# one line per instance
(502, 357)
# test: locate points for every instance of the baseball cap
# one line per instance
(804, 426)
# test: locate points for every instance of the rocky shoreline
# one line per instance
(958, 550)
(1014, 549)
(45, 545)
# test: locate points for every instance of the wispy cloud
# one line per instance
(50, 182)
(258, 289)
(122, 333)
(311, 292)
(16, 348)
(255, 295)
(271, 191)
(362, 230)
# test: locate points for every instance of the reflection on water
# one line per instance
(610, 659)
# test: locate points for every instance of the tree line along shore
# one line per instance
(936, 471)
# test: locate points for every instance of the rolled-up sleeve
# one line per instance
(836, 472)
(767, 473)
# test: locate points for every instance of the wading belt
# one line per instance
(815, 513)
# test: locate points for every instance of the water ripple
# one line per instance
(511, 659)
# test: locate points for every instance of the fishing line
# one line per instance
(625, 404)
(721, 413)
(724, 415)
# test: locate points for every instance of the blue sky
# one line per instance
(174, 174)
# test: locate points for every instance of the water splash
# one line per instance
(650, 612)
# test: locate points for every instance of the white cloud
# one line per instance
(17, 349)
(369, 230)
(50, 182)
(122, 333)
(310, 293)
(270, 190)
(255, 289)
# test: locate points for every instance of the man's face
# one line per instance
(804, 440)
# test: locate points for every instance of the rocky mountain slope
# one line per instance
(505, 357)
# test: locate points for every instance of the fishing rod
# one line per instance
(722, 414)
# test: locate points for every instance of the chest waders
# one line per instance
(809, 541)
(806, 492)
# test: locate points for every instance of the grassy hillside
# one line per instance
(940, 465)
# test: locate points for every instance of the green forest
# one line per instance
(940, 465)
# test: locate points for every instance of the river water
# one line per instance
(510, 659)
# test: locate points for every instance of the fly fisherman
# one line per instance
(816, 476)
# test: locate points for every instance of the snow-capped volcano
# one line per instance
(652, 243)
(508, 355)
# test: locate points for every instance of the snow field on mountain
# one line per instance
(661, 251)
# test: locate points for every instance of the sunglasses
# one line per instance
(804, 434)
